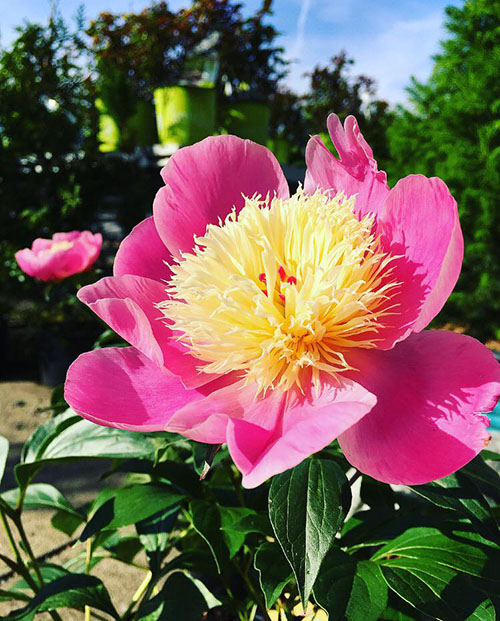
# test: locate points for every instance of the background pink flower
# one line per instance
(62, 256)
(405, 404)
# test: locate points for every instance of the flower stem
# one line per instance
(258, 598)
(10, 537)
(20, 566)
(27, 546)
(141, 595)
(88, 561)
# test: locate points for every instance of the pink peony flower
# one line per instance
(62, 256)
(276, 324)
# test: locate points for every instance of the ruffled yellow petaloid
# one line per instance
(283, 288)
(60, 245)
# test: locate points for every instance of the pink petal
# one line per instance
(92, 242)
(46, 265)
(451, 266)
(119, 387)
(356, 171)
(207, 421)
(128, 305)
(29, 263)
(69, 236)
(306, 425)
(430, 390)
(269, 434)
(143, 253)
(41, 244)
(204, 182)
(419, 220)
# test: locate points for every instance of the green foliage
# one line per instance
(332, 89)
(137, 52)
(307, 506)
(69, 591)
(180, 592)
(47, 145)
(350, 588)
(47, 129)
(433, 549)
(212, 548)
(452, 131)
(274, 571)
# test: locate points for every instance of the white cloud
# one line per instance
(390, 54)
(336, 11)
(403, 49)
(298, 44)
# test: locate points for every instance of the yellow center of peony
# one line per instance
(282, 289)
(60, 245)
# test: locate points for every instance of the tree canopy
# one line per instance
(452, 130)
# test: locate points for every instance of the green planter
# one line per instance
(141, 126)
(184, 114)
(139, 130)
(281, 149)
(249, 119)
(109, 133)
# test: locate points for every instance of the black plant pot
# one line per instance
(54, 359)
(3, 344)
(59, 345)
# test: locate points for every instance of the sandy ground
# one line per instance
(21, 405)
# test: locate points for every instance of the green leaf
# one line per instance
(179, 594)
(128, 505)
(180, 476)
(197, 560)
(122, 547)
(42, 496)
(459, 492)
(43, 434)
(57, 402)
(350, 589)
(371, 527)
(490, 455)
(69, 591)
(206, 521)
(9, 596)
(485, 477)
(434, 589)
(68, 436)
(154, 533)
(249, 521)
(49, 571)
(235, 517)
(460, 551)
(307, 506)
(274, 571)
(78, 563)
(399, 610)
(4, 451)
(67, 523)
(486, 611)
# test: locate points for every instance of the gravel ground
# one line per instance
(21, 405)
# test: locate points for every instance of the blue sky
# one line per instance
(390, 40)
